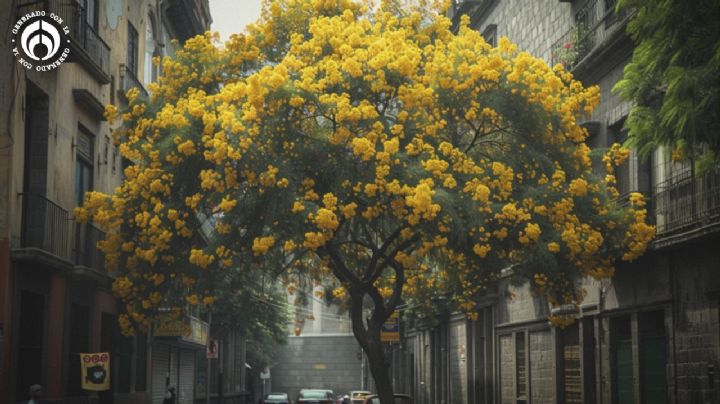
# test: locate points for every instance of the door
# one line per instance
(30, 343)
(624, 369)
(160, 371)
(653, 357)
(186, 384)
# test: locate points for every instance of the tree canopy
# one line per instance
(673, 79)
(369, 146)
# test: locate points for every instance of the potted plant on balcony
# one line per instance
(569, 50)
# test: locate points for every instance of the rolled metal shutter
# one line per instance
(186, 387)
(160, 367)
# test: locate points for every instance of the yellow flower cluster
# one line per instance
(199, 258)
(421, 203)
(262, 245)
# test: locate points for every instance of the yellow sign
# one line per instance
(95, 371)
(167, 326)
(390, 331)
(187, 328)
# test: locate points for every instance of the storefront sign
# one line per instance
(186, 328)
(212, 349)
(390, 331)
(95, 371)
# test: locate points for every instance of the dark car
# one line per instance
(276, 398)
(316, 396)
(399, 399)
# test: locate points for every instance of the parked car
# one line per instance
(355, 397)
(276, 398)
(316, 396)
(399, 399)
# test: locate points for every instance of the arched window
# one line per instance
(149, 71)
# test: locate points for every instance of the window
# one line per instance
(490, 35)
(132, 50)
(521, 375)
(634, 174)
(621, 330)
(571, 365)
(91, 12)
(149, 70)
(106, 150)
(83, 164)
(612, 16)
(113, 162)
(585, 17)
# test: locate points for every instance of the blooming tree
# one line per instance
(372, 147)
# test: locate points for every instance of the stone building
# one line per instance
(55, 298)
(649, 335)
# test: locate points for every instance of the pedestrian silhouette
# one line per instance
(35, 393)
(170, 395)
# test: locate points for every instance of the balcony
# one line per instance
(128, 80)
(45, 230)
(86, 46)
(687, 206)
(596, 27)
(87, 255)
(189, 17)
(49, 237)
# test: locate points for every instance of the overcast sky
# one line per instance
(231, 16)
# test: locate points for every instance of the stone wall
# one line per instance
(542, 367)
(507, 369)
(321, 362)
(697, 327)
(533, 25)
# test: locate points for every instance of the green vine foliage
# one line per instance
(674, 78)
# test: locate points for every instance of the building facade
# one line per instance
(651, 334)
(55, 297)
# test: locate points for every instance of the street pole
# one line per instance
(207, 359)
(220, 371)
(243, 369)
(362, 370)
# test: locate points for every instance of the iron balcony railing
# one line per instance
(594, 24)
(87, 253)
(45, 225)
(128, 80)
(94, 52)
(687, 201)
(48, 227)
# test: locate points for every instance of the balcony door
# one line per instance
(37, 130)
(84, 164)
(37, 106)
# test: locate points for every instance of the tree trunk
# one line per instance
(379, 366)
(369, 339)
